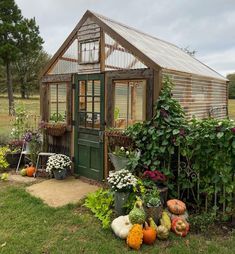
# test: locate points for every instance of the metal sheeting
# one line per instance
(165, 54)
(200, 97)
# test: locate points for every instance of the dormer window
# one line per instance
(89, 52)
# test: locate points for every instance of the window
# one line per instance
(89, 51)
(57, 109)
(130, 103)
(89, 104)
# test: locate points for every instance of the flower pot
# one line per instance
(60, 174)
(154, 212)
(120, 199)
(12, 159)
(118, 162)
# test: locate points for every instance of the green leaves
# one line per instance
(100, 203)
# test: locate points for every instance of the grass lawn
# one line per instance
(29, 226)
(31, 105)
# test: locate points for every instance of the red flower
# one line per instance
(155, 176)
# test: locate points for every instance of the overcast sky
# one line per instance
(207, 26)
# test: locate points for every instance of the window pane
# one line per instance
(120, 112)
(58, 93)
(89, 120)
(130, 103)
(89, 104)
(90, 52)
(96, 121)
(97, 104)
(82, 88)
(89, 87)
(97, 87)
(81, 118)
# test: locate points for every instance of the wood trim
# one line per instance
(102, 51)
(110, 78)
(56, 78)
(68, 59)
(110, 50)
(157, 85)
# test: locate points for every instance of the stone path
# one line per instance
(57, 193)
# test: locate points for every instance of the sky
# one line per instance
(207, 26)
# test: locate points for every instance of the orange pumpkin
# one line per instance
(30, 171)
(176, 206)
(149, 234)
(180, 226)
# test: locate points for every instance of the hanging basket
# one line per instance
(55, 129)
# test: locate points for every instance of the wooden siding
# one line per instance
(89, 31)
(200, 96)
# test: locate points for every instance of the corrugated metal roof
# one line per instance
(163, 53)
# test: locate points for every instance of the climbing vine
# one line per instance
(206, 146)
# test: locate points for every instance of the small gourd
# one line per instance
(180, 226)
(137, 214)
(121, 226)
(23, 172)
(30, 171)
(165, 220)
(162, 232)
(149, 234)
(135, 237)
(176, 206)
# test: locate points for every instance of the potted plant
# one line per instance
(121, 157)
(57, 165)
(159, 179)
(152, 202)
(13, 151)
(122, 183)
(33, 140)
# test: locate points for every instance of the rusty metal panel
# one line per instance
(200, 97)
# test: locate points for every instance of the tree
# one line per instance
(19, 40)
(30, 56)
(231, 78)
(28, 69)
(10, 22)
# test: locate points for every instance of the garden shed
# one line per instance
(108, 75)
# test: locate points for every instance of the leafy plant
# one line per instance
(201, 222)
(101, 203)
(19, 122)
(3, 163)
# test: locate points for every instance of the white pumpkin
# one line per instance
(121, 226)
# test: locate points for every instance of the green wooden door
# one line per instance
(89, 125)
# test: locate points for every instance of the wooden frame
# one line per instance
(111, 76)
(80, 43)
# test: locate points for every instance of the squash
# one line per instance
(180, 226)
(135, 237)
(182, 216)
(149, 234)
(165, 220)
(121, 226)
(176, 206)
(137, 214)
(30, 171)
(23, 172)
(152, 223)
(162, 232)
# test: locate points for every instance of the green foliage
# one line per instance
(3, 163)
(201, 222)
(19, 123)
(208, 147)
(57, 117)
(231, 91)
(100, 203)
(158, 139)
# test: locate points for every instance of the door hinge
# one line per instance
(73, 123)
(73, 85)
